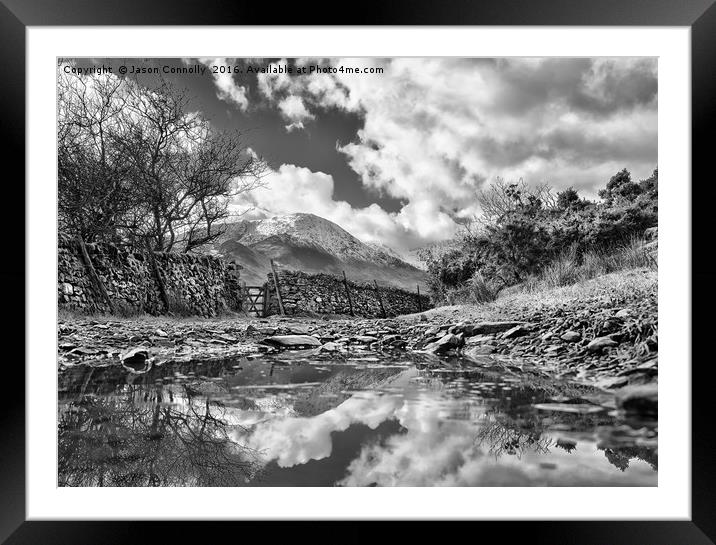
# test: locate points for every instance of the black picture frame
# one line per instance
(16, 15)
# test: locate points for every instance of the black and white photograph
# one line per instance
(357, 272)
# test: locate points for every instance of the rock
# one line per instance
(84, 351)
(623, 314)
(479, 339)
(596, 345)
(400, 344)
(476, 351)
(652, 233)
(483, 328)
(161, 333)
(330, 347)
(642, 399)
(650, 364)
(365, 339)
(611, 324)
(570, 336)
(516, 331)
(67, 289)
(583, 408)
(445, 343)
(291, 341)
(267, 331)
(136, 360)
(610, 383)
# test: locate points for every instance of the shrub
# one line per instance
(522, 237)
(477, 290)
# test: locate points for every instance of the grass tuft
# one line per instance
(571, 268)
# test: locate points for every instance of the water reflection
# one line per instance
(307, 422)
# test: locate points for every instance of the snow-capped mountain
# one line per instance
(311, 244)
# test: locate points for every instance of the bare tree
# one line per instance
(186, 171)
(502, 197)
(151, 435)
(140, 165)
(93, 176)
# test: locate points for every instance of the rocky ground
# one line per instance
(603, 333)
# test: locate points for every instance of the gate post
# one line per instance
(278, 291)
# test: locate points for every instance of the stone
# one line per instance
(623, 314)
(365, 339)
(330, 347)
(400, 344)
(650, 364)
(445, 343)
(161, 333)
(484, 328)
(136, 360)
(514, 332)
(291, 341)
(642, 399)
(84, 351)
(652, 233)
(598, 344)
(67, 289)
(479, 339)
(475, 351)
(570, 336)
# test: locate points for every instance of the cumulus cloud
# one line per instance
(432, 449)
(296, 440)
(226, 88)
(292, 189)
(293, 109)
(435, 130)
(443, 126)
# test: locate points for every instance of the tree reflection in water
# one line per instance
(157, 436)
(499, 438)
(170, 427)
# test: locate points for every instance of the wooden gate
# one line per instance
(255, 301)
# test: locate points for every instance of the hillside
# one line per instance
(311, 244)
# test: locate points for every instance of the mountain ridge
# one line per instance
(310, 243)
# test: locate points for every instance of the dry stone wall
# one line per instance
(326, 294)
(194, 285)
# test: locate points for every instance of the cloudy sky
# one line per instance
(397, 157)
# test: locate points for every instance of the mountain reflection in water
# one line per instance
(369, 421)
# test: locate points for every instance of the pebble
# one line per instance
(571, 336)
(596, 345)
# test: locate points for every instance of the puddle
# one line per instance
(299, 420)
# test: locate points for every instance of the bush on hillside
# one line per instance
(527, 233)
